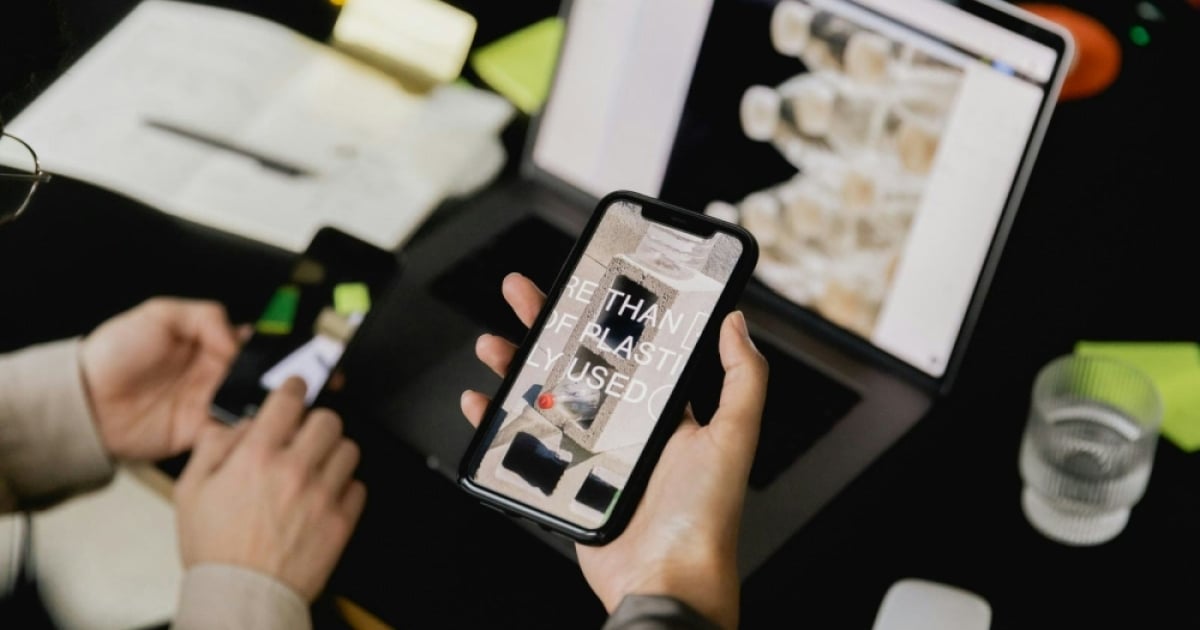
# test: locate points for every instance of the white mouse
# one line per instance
(915, 604)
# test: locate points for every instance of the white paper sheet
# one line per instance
(379, 158)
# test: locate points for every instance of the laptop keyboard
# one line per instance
(802, 405)
(802, 402)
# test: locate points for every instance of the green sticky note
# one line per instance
(351, 298)
(519, 65)
(280, 313)
(1175, 369)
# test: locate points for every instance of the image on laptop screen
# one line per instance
(871, 160)
(871, 147)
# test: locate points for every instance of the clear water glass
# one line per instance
(1088, 447)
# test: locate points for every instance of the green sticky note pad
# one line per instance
(280, 313)
(519, 65)
(350, 298)
(1175, 369)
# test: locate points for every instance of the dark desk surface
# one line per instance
(1101, 249)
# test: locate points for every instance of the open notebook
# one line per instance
(237, 122)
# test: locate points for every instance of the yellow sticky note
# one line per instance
(1175, 369)
(351, 298)
(421, 42)
(519, 66)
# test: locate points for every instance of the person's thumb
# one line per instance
(744, 391)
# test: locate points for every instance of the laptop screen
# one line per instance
(872, 147)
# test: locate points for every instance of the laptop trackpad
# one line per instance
(530, 246)
(802, 405)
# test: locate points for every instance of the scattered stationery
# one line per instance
(421, 42)
(1174, 366)
(520, 65)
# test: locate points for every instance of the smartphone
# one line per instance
(308, 322)
(598, 384)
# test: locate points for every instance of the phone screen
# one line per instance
(601, 369)
(307, 322)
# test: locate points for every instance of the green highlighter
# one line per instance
(280, 313)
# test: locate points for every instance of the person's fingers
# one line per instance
(689, 416)
(277, 419)
(523, 296)
(495, 352)
(687, 425)
(339, 468)
(244, 332)
(317, 437)
(352, 501)
(474, 405)
(337, 380)
(213, 445)
(199, 321)
(744, 390)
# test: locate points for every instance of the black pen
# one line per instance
(266, 162)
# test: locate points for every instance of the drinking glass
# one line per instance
(1088, 447)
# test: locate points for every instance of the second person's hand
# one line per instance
(151, 371)
(274, 494)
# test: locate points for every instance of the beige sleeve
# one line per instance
(49, 447)
(656, 612)
(228, 597)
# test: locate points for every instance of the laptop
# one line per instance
(876, 148)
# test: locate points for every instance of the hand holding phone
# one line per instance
(577, 426)
(148, 370)
(682, 540)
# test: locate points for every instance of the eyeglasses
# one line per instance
(20, 176)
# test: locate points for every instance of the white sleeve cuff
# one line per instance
(49, 444)
(229, 597)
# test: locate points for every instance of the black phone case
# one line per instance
(326, 242)
(667, 422)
